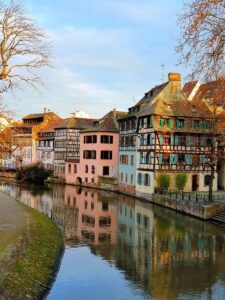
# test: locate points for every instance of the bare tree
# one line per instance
(202, 42)
(202, 48)
(24, 47)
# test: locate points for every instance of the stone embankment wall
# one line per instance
(203, 211)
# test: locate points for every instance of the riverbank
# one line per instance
(29, 259)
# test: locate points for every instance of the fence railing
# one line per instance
(193, 197)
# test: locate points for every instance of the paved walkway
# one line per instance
(13, 218)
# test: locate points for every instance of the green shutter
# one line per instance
(141, 157)
(192, 124)
(202, 158)
(149, 179)
(161, 139)
(185, 124)
(199, 124)
(188, 159)
(170, 123)
(177, 140)
(172, 140)
(204, 124)
(160, 158)
(150, 121)
(171, 158)
(142, 140)
(202, 140)
(174, 159)
(162, 122)
(177, 123)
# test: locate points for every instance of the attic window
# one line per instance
(151, 93)
(169, 107)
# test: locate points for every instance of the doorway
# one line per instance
(195, 183)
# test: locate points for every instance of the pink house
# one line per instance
(99, 147)
(90, 216)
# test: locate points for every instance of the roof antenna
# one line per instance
(163, 72)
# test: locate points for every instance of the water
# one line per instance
(119, 248)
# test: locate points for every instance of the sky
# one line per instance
(107, 54)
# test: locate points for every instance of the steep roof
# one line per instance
(33, 116)
(189, 87)
(109, 123)
(76, 123)
(50, 127)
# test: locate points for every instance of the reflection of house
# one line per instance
(98, 164)
(67, 142)
(96, 217)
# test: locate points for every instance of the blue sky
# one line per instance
(108, 53)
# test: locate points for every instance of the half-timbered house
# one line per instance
(67, 142)
(172, 138)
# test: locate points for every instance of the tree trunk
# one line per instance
(211, 185)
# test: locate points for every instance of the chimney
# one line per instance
(175, 82)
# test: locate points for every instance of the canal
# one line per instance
(121, 248)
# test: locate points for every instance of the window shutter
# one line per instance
(161, 139)
(177, 142)
(142, 140)
(172, 140)
(149, 179)
(177, 123)
(150, 121)
(170, 123)
(160, 158)
(171, 159)
(162, 122)
(192, 124)
(204, 124)
(141, 157)
(202, 141)
(188, 159)
(199, 124)
(185, 124)
(202, 158)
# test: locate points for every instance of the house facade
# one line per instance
(98, 165)
(172, 138)
(67, 143)
(25, 135)
(127, 154)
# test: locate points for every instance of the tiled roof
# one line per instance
(33, 116)
(76, 123)
(109, 123)
(188, 87)
(50, 127)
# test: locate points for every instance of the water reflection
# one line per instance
(163, 255)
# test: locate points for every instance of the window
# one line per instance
(93, 170)
(86, 179)
(89, 154)
(207, 180)
(131, 179)
(106, 154)
(92, 180)
(121, 177)
(105, 171)
(106, 139)
(126, 178)
(147, 179)
(69, 168)
(88, 220)
(86, 168)
(181, 123)
(104, 221)
(138, 218)
(85, 204)
(124, 159)
(146, 222)
(92, 205)
(139, 178)
(75, 169)
(105, 206)
(132, 160)
(90, 139)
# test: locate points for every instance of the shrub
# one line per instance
(164, 181)
(181, 180)
(33, 174)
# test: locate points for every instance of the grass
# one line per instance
(29, 269)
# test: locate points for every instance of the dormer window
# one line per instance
(181, 123)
